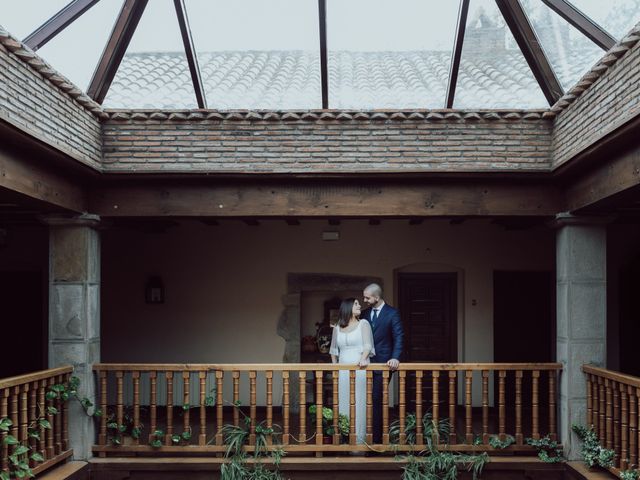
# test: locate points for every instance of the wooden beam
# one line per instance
(579, 20)
(528, 42)
(190, 51)
(457, 52)
(324, 68)
(325, 199)
(22, 174)
(57, 23)
(116, 48)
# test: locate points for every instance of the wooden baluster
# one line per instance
(435, 400)
(202, 379)
(608, 415)
(616, 420)
(236, 398)
(589, 400)
(220, 406)
(302, 386)
(633, 427)
(51, 451)
(352, 407)
(15, 416)
(624, 407)
(385, 407)
(58, 421)
(65, 419)
(153, 404)
(596, 405)
(452, 407)
(402, 404)
(602, 412)
(269, 379)
(419, 426)
(4, 413)
(285, 407)
(119, 397)
(501, 404)
(485, 406)
(135, 376)
(33, 408)
(335, 375)
(24, 413)
(252, 407)
(468, 378)
(319, 406)
(169, 433)
(42, 405)
(535, 417)
(519, 437)
(553, 378)
(369, 407)
(186, 401)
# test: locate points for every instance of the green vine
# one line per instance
(495, 442)
(629, 475)
(549, 451)
(593, 453)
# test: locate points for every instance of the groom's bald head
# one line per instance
(372, 294)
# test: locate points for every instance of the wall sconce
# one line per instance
(154, 291)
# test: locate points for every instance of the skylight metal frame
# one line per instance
(190, 51)
(457, 52)
(582, 22)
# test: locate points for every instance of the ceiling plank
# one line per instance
(457, 52)
(324, 71)
(529, 44)
(56, 24)
(579, 20)
(190, 51)
(116, 48)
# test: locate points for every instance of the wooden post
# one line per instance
(51, 451)
(385, 407)
(153, 402)
(419, 426)
(624, 447)
(452, 407)
(435, 401)
(633, 426)
(169, 432)
(608, 414)
(57, 419)
(102, 435)
(552, 404)
(186, 401)
(535, 424)
(596, 405)
(468, 379)
(220, 405)
(589, 401)
(402, 405)
(319, 416)
(602, 412)
(616, 421)
(252, 407)
(33, 408)
(501, 404)
(352, 407)
(65, 419)
(302, 376)
(285, 408)
(42, 446)
(485, 406)
(519, 437)
(369, 407)
(24, 421)
(236, 397)
(4, 413)
(136, 403)
(202, 380)
(269, 379)
(335, 375)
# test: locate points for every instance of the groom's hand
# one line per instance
(393, 364)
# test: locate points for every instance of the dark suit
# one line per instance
(387, 341)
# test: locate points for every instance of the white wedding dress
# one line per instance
(348, 347)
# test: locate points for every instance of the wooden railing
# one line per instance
(23, 400)
(613, 410)
(527, 413)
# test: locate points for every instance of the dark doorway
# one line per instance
(629, 319)
(429, 315)
(23, 325)
(524, 332)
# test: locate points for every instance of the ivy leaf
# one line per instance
(113, 425)
(44, 423)
(37, 457)
(51, 395)
(156, 443)
(4, 475)
(186, 406)
(122, 428)
(74, 382)
(52, 410)
(10, 440)
(175, 438)
(86, 403)
(64, 396)
(135, 432)
(5, 423)
(116, 441)
(209, 402)
(158, 433)
(186, 435)
(58, 388)
(21, 450)
(35, 435)
(97, 412)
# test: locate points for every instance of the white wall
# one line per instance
(224, 283)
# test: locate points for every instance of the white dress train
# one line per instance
(348, 347)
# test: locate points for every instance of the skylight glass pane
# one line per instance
(257, 54)
(389, 54)
(23, 17)
(616, 16)
(154, 72)
(75, 51)
(493, 71)
(570, 53)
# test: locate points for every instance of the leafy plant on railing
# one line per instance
(327, 422)
(593, 453)
(629, 475)
(495, 442)
(549, 451)
(432, 462)
(20, 455)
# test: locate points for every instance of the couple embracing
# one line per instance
(361, 337)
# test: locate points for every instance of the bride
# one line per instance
(352, 343)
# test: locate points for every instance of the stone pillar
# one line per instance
(581, 283)
(74, 313)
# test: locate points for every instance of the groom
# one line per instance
(387, 341)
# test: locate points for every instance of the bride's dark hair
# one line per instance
(346, 311)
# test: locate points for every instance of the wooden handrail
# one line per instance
(33, 377)
(613, 403)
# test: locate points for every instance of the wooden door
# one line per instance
(429, 316)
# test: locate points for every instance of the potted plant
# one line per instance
(327, 423)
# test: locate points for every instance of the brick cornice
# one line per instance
(59, 81)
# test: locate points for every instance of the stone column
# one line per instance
(581, 283)
(74, 313)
